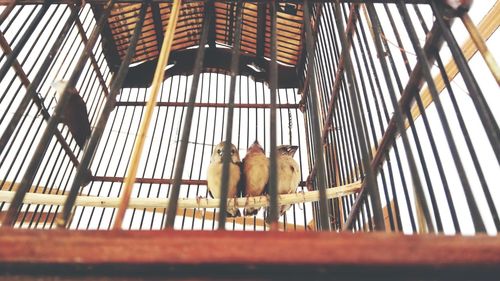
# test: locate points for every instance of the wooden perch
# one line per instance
(186, 203)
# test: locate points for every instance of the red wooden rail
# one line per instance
(249, 255)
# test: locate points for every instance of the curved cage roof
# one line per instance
(255, 33)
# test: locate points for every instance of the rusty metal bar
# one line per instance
(273, 168)
(6, 12)
(93, 60)
(208, 104)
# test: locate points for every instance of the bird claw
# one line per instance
(237, 214)
(248, 213)
(247, 200)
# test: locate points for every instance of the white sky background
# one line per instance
(211, 131)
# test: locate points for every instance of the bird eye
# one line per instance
(219, 152)
(232, 151)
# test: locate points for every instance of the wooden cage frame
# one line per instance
(138, 255)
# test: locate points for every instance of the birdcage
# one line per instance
(390, 103)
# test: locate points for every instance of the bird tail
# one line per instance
(87, 178)
(283, 209)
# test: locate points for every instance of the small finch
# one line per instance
(256, 174)
(214, 175)
(288, 172)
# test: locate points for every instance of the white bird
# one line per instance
(214, 175)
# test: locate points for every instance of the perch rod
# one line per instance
(141, 135)
(184, 203)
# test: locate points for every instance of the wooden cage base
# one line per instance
(195, 255)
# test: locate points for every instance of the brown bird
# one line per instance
(75, 114)
(214, 175)
(256, 174)
(288, 172)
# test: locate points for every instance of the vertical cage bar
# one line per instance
(362, 139)
(400, 124)
(141, 135)
(179, 167)
(235, 62)
(472, 152)
(315, 119)
(273, 169)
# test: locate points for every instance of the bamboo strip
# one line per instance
(185, 203)
(488, 25)
(481, 44)
(141, 135)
